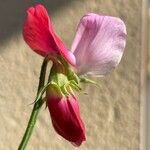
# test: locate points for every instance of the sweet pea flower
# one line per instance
(99, 44)
(97, 48)
(65, 116)
(39, 35)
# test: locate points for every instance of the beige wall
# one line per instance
(111, 113)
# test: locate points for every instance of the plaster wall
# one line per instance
(111, 113)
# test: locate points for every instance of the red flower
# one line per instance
(65, 115)
(39, 35)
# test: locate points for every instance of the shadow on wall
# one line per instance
(12, 14)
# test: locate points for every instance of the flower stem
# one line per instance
(36, 108)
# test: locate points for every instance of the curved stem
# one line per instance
(36, 108)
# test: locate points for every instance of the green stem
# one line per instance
(35, 110)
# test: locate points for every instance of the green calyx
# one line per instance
(63, 84)
(63, 79)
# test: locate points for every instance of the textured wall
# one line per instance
(111, 112)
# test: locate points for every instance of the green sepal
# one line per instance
(59, 79)
(86, 80)
(73, 76)
(41, 92)
(54, 90)
(75, 86)
(65, 89)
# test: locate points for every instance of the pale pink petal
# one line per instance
(99, 44)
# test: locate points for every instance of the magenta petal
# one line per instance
(39, 35)
(99, 44)
(65, 115)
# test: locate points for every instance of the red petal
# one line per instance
(65, 115)
(39, 35)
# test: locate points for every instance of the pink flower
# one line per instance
(65, 116)
(99, 44)
(39, 35)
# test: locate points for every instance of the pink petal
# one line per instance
(65, 115)
(99, 44)
(39, 35)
